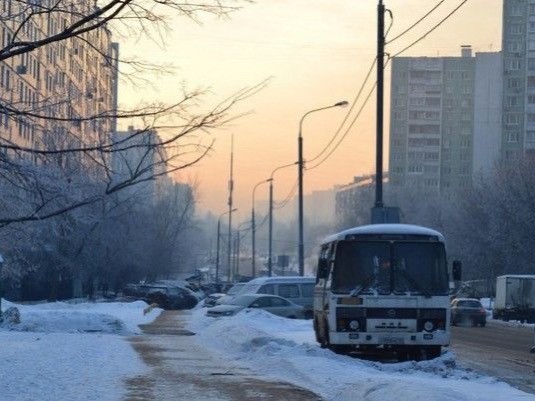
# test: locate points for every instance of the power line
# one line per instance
(416, 23)
(347, 130)
(348, 113)
(288, 198)
(432, 29)
(352, 123)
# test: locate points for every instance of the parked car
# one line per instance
(468, 310)
(211, 299)
(297, 289)
(168, 297)
(270, 303)
(230, 294)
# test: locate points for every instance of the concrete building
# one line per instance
(518, 44)
(139, 159)
(433, 120)
(71, 79)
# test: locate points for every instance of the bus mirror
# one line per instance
(456, 270)
(323, 269)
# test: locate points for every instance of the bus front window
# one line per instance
(362, 267)
(421, 268)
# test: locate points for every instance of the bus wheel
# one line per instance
(433, 352)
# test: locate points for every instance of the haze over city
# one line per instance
(314, 54)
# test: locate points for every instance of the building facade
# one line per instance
(53, 92)
(518, 44)
(433, 118)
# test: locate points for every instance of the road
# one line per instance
(500, 349)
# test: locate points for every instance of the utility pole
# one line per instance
(380, 111)
(380, 213)
(230, 189)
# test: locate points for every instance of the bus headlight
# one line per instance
(354, 325)
(429, 326)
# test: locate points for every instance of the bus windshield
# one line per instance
(369, 267)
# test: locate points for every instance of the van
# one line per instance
(297, 289)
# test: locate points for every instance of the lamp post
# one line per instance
(301, 250)
(253, 227)
(217, 242)
(270, 244)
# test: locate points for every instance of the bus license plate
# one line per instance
(391, 340)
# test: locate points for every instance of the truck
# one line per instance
(515, 298)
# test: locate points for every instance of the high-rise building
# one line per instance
(66, 82)
(433, 121)
(518, 44)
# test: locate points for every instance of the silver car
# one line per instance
(270, 303)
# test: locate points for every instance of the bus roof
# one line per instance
(378, 229)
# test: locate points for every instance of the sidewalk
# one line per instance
(183, 370)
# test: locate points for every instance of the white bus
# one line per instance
(384, 287)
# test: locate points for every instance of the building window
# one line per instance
(512, 136)
(513, 83)
(511, 101)
(515, 29)
(530, 136)
(514, 47)
(514, 65)
(512, 119)
(516, 11)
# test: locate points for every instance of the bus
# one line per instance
(384, 287)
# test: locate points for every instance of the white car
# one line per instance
(270, 303)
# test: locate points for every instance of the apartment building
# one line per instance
(71, 79)
(518, 44)
(433, 120)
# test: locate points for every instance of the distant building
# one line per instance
(439, 110)
(140, 159)
(518, 44)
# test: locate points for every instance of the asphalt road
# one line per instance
(500, 349)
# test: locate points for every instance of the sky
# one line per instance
(82, 352)
(313, 53)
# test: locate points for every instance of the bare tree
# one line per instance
(59, 69)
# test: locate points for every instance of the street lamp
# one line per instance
(301, 251)
(253, 265)
(217, 246)
(270, 246)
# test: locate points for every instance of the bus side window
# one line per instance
(323, 263)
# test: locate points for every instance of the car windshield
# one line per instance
(390, 267)
(243, 300)
(235, 288)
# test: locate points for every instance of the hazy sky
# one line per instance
(316, 52)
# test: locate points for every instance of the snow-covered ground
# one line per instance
(80, 352)
(286, 349)
(63, 351)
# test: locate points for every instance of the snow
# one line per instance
(286, 349)
(63, 351)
